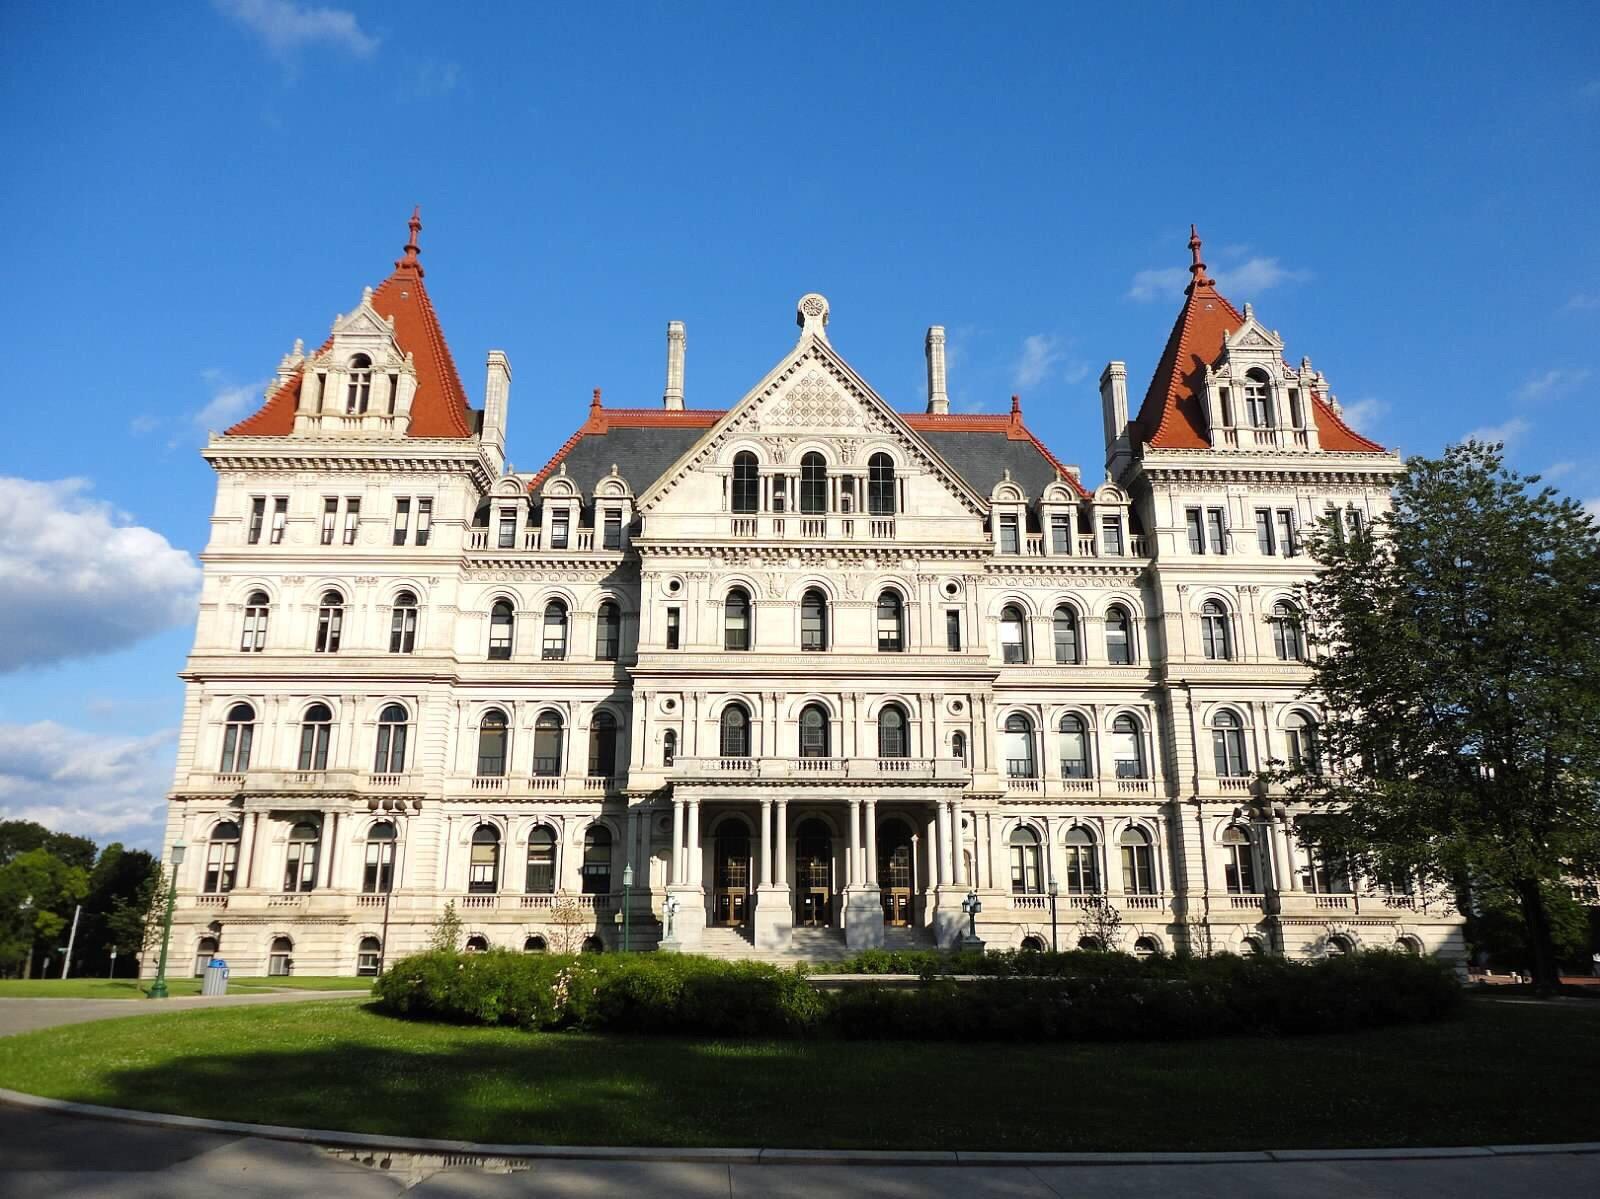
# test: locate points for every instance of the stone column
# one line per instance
(766, 843)
(954, 874)
(781, 835)
(851, 836)
(678, 855)
(330, 840)
(943, 877)
(872, 843)
(250, 852)
(696, 872)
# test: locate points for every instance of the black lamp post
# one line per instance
(158, 989)
(1055, 890)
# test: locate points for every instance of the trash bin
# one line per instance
(216, 980)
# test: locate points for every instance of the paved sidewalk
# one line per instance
(28, 1015)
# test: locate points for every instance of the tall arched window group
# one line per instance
(894, 733)
(392, 729)
(316, 733)
(814, 732)
(817, 495)
(403, 624)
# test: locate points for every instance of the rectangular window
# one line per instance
(258, 517)
(1264, 531)
(508, 529)
(352, 519)
(1352, 522)
(1111, 535)
(952, 630)
(1009, 544)
(673, 627)
(1216, 531)
(1287, 544)
(613, 530)
(1060, 534)
(424, 520)
(402, 520)
(1197, 543)
(559, 529)
(280, 517)
(330, 519)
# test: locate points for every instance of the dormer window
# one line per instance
(560, 529)
(358, 392)
(1258, 399)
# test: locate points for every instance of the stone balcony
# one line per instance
(532, 541)
(1020, 786)
(1068, 905)
(822, 770)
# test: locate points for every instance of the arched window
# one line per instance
(1032, 944)
(280, 961)
(746, 483)
(1288, 638)
(1018, 747)
(1329, 872)
(204, 951)
(253, 639)
(1138, 863)
(1257, 399)
(892, 739)
(377, 872)
(880, 485)
(555, 632)
(1065, 627)
(608, 632)
(1074, 747)
(814, 620)
(1090, 944)
(1083, 862)
(597, 860)
(1025, 874)
(541, 878)
(535, 944)
(735, 737)
(1250, 947)
(483, 866)
(358, 392)
(477, 943)
(237, 734)
(1214, 640)
(1305, 753)
(891, 623)
(1146, 947)
(813, 732)
(493, 734)
(958, 747)
(1119, 637)
(316, 730)
(403, 624)
(369, 953)
(300, 860)
(502, 630)
(736, 620)
(813, 484)
(1013, 643)
(330, 622)
(1409, 945)
(547, 735)
(592, 944)
(669, 747)
(603, 745)
(1238, 861)
(1339, 946)
(391, 757)
(1127, 748)
(222, 858)
(1227, 745)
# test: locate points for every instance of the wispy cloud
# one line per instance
(1040, 353)
(1592, 507)
(84, 782)
(142, 424)
(1158, 285)
(228, 404)
(1363, 415)
(286, 27)
(432, 80)
(1507, 433)
(1256, 275)
(1551, 381)
(1242, 277)
(1582, 301)
(1557, 470)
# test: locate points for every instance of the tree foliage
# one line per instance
(1459, 661)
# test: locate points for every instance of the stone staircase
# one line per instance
(809, 945)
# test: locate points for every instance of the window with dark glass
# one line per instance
(403, 624)
(1216, 531)
(541, 878)
(891, 623)
(612, 532)
(507, 536)
(952, 630)
(1257, 400)
(369, 953)
(1111, 536)
(300, 859)
(880, 485)
(548, 731)
(1060, 533)
(597, 860)
(258, 517)
(316, 730)
(352, 519)
(669, 747)
(735, 732)
(1304, 752)
(746, 482)
(1083, 862)
(222, 859)
(377, 871)
(1013, 637)
(1127, 748)
(493, 733)
(330, 622)
(1288, 643)
(736, 620)
(1017, 743)
(554, 647)
(1025, 872)
(1009, 542)
(674, 619)
(402, 520)
(253, 638)
(280, 958)
(1238, 863)
(1193, 520)
(237, 733)
(1138, 863)
(424, 520)
(1227, 743)
(280, 518)
(1074, 748)
(1119, 637)
(1064, 627)
(483, 862)
(958, 747)
(813, 621)
(813, 484)
(560, 529)
(608, 632)
(1214, 639)
(330, 519)
(358, 391)
(603, 745)
(1288, 543)
(813, 732)
(392, 728)
(892, 739)
(502, 630)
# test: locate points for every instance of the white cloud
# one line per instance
(1540, 386)
(1241, 280)
(1256, 275)
(1592, 507)
(1158, 285)
(94, 784)
(228, 404)
(1363, 415)
(1040, 353)
(286, 27)
(77, 580)
(1507, 432)
(140, 425)
(1556, 470)
(1582, 301)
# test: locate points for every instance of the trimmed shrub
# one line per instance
(969, 997)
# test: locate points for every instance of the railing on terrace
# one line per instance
(785, 767)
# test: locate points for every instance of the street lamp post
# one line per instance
(627, 903)
(158, 989)
(1055, 890)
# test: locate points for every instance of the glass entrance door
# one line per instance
(731, 898)
(895, 879)
(813, 874)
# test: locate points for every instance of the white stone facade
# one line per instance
(998, 750)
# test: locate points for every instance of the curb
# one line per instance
(334, 1139)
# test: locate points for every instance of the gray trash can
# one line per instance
(216, 980)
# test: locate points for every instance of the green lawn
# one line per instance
(1502, 1073)
(129, 988)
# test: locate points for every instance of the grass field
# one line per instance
(1505, 1072)
(130, 988)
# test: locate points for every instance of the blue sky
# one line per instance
(1406, 194)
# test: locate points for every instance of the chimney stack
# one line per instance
(676, 341)
(1114, 412)
(496, 398)
(938, 397)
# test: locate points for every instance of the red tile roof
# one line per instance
(1172, 416)
(440, 407)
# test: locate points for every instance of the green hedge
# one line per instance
(1024, 996)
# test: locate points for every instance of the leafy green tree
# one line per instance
(1496, 929)
(446, 935)
(133, 925)
(37, 894)
(119, 876)
(1459, 661)
(20, 836)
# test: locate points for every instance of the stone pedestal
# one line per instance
(949, 921)
(967, 943)
(863, 919)
(774, 923)
(687, 927)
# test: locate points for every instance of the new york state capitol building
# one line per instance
(805, 669)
